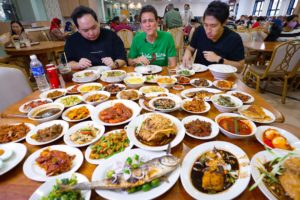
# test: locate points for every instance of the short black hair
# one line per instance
(217, 9)
(149, 8)
(16, 22)
(79, 11)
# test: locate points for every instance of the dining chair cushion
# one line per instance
(14, 86)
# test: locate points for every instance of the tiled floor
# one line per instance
(290, 110)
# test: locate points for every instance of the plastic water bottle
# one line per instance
(39, 73)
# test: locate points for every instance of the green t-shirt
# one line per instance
(163, 47)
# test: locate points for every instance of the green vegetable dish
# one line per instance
(109, 145)
(225, 101)
(184, 73)
(58, 194)
(70, 101)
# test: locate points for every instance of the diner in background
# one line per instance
(152, 46)
(92, 45)
(17, 34)
(186, 15)
(55, 33)
(123, 24)
(214, 42)
(172, 19)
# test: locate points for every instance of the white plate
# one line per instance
(36, 173)
(82, 125)
(76, 76)
(184, 92)
(155, 94)
(264, 157)
(105, 165)
(85, 96)
(19, 152)
(113, 79)
(89, 84)
(71, 87)
(149, 69)
(133, 74)
(122, 86)
(175, 98)
(30, 126)
(193, 80)
(214, 127)
(191, 72)
(234, 86)
(138, 92)
(251, 100)
(47, 187)
(136, 109)
(98, 161)
(21, 108)
(137, 122)
(151, 88)
(199, 67)
(267, 112)
(59, 100)
(152, 78)
(89, 107)
(44, 94)
(291, 138)
(99, 69)
(237, 188)
(44, 125)
(207, 107)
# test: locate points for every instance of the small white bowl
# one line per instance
(85, 96)
(36, 110)
(60, 100)
(134, 85)
(164, 84)
(87, 106)
(87, 85)
(190, 72)
(232, 135)
(221, 71)
(238, 103)
(138, 94)
(45, 94)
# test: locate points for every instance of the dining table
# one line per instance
(41, 49)
(261, 46)
(15, 185)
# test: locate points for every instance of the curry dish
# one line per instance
(9, 133)
(55, 162)
(115, 114)
(156, 130)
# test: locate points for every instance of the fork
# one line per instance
(152, 60)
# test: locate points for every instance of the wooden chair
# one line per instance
(284, 65)
(177, 34)
(126, 37)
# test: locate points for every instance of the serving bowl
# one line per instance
(113, 76)
(229, 134)
(221, 71)
(166, 81)
(94, 103)
(46, 112)
(134, 81)
(237, 102)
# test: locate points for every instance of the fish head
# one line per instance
(169, 160)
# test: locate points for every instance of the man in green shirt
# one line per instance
(152, 46)
(172, 18)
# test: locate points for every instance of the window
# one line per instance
(274, 6)
(291, 8)
(258, 6)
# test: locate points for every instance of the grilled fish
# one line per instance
(150, 170)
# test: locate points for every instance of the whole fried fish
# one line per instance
(150, 170)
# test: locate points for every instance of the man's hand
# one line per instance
(108, 61)
(142, 60)
(187, 61)
(211, 56)
(84, 63)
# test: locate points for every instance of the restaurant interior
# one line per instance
(210, 121)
